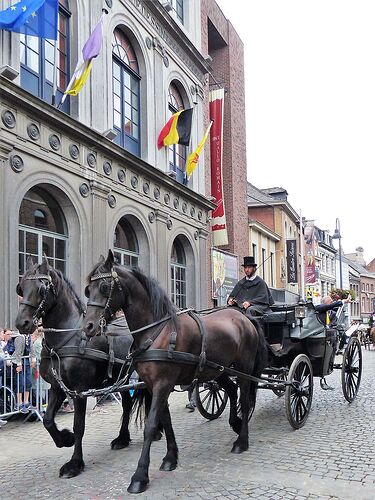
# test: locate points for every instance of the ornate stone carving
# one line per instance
(200, 215)
(111, 201)
(151, 217)
(167, 199)
(16, 163)
(184, 207)
(54, 142)
(196, 234)
(121, 175)
(169, 224)
(107, 168)
(166, 61)
(146, 187)
(134, 181)
(84, 190)
(33, 131)
(192, 211)
(8, 118)
(91, 160)
(156, 193)
(74, 151)
(148, 42)
(176, 203)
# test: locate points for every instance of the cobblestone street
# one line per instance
(331, 457)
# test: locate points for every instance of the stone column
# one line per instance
(202, 271)
(96, 232)
(6, 294)
(162, 271)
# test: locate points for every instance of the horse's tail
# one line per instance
(261, 358)
(140, 400)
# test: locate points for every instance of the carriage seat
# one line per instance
(283, 317)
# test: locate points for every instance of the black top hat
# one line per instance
(248, 261)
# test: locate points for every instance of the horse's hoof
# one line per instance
(137, 486)
(72, 468)
(157, 436)
(168, 465)
(119, 444)
(66, 439)
(237, 449)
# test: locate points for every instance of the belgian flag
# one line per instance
(177, 130)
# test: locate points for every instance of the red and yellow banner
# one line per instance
(218, 223)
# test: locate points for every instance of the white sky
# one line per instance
(310, 107)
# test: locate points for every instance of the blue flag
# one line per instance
(32, 17)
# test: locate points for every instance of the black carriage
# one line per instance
(300, 348)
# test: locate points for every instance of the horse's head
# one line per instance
(105, 293)
(38, 291)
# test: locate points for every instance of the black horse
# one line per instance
(51, 297)
(231, 340)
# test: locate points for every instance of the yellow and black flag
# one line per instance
(177, 130)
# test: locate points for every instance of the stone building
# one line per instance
(69, 191)
(272, 211)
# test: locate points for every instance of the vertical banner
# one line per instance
(291, 261)
(218, 223)
(310, 250)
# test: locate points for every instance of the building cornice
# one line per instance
(13, 96)
(263, 229)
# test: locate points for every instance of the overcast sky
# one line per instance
(310, 107)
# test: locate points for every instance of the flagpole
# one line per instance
(54, 88)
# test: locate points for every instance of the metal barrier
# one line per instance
(24, 392)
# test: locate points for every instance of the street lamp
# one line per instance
(337, 236)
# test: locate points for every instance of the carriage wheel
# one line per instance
(298, 397)
(351, 371)
(280, 391)
(211, 399)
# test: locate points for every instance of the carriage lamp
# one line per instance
(300, 312)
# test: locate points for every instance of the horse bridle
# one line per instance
(45, 287)
(106, 289)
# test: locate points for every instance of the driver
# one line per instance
(251, 292)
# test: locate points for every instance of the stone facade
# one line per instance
(93, 182)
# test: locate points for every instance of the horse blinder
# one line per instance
(19, 291)
(105, 289)
(87, 291)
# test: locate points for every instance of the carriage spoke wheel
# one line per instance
(211, 399)
(298, 395)
(351, 371)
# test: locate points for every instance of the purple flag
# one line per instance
(94, 43)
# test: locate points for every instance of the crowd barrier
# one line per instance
(12, 384)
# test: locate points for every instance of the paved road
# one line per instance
(331, 457)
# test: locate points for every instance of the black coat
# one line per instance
(332, 308)
(254, 291)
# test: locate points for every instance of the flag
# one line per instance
(177, 130)
(32, 17)
(90, 50)
(193, 158)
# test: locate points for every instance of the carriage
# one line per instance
(300, 348)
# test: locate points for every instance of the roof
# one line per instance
(358, 267)
(270, 197)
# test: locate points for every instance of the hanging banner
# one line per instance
(291, 261)
(310, 252)
(218, 223)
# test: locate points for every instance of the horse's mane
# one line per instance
(161, 304)
(71, 291)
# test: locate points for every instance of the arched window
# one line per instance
(42, 230)
(126, 119)
(126, 250)
(177, 152)
(178, 274)
(38, 61)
